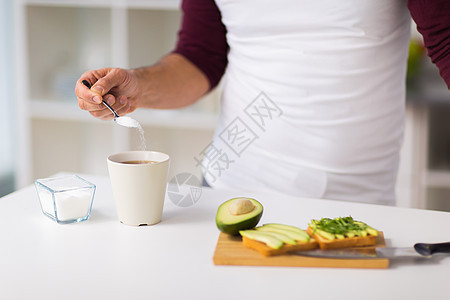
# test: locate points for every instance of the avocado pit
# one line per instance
(241, 206)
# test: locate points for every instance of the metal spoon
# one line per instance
(124, 121)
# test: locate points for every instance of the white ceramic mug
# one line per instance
(139, 189)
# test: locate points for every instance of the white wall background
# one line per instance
(6, 99)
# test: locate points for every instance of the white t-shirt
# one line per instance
(313, 98)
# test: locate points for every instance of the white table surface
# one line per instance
(103, 259)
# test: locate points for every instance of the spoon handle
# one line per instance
(88, 85)
(430, 249)
(112, 110)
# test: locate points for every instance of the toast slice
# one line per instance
(360, 241)
(268, 251)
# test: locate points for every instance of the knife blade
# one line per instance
(422, 250)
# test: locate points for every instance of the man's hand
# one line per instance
(117, 87)
(173, 82)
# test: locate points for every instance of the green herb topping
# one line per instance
(342, 226)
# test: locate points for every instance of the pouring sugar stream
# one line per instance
(124, 121)
(132, 123)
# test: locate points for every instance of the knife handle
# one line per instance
(430, 249)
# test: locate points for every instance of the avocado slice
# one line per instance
(324, 234)
(238, 214)
(298, 236)
(372, 231)
(289, 227)
(263, 237)
(281, 236)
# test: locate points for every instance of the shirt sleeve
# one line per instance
(202, 38)
(433, 22)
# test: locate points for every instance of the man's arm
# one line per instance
(201, 54)
(433, 22)
(171, 83)
(202, 38)
(177, 80)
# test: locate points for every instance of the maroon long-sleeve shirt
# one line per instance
(202, 37)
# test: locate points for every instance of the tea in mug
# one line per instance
(139, 162)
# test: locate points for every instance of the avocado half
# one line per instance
(230, 223)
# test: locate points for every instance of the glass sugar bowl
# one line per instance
(66, 199)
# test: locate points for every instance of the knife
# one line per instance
(419, 250)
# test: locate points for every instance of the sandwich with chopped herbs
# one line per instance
(342, 232)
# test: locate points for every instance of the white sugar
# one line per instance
(72, 205)
(143, 142)
(132, 123)
(69, 205)
(128, 122)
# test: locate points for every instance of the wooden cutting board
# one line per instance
(231, 251)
